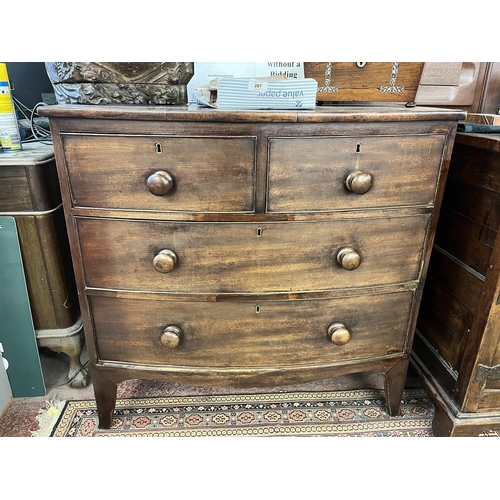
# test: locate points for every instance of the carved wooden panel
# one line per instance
(120, 82)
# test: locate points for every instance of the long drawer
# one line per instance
(317, 173)
(161, 173)
(211, 257)
(247, 333)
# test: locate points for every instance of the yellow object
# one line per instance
(10, 139)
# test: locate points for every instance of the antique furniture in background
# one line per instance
(457, 345)
(471, 86)
(30, 193)
(365, 81)
(249, 248)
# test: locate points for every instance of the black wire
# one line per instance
(37, 133)
(70, 380)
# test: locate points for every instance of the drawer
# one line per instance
(209, 257)
(161, 173)
(231, 334)
(310, 174)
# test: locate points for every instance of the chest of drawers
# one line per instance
(249, 248)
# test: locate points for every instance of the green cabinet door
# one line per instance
(17, 333)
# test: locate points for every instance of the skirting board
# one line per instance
(448, 420)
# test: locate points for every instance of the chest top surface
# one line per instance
(195, 114)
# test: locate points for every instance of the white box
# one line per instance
(260, 93)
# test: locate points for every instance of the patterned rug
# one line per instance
(356, 413)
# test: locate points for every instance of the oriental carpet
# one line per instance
(353, 413)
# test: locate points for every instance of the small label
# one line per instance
(257, 86)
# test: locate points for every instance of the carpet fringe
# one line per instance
(47, 417)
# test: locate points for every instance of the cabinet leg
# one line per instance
(394, 386)
(105, 395)
(73, 348)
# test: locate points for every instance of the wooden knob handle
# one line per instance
(165, 261)
(348, 258)
(339, 334)
(160, 183)
(171, 337)
(359, 182)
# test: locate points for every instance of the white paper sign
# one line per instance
(204, 72)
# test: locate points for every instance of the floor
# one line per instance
(20, 418)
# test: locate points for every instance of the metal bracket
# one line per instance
(487, 372)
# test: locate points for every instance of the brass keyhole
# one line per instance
(159, 148)
(257, 309)
(259, 232)
(358, 147)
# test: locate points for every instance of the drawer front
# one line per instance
(173, 174)
(232, 334)
(249, 257)
(14, 194)
(309, 174)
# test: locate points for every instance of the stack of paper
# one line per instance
(259, 93)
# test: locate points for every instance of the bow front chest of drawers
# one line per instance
(249, 248)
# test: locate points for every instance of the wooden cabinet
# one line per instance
(457, 346)
(29, 192)
(250, 248)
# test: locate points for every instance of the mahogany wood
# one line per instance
(213, 174)
(256, 217)
(29, 180)
(29, 192)
(242, 257)
(49, 274)
(350, 81)
(403, 171)
(458, 330)
(250, 333)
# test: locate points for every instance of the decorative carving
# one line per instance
(112, 93)
(171, 73)
(161, 83)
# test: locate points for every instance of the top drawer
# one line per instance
(161, 173)
(309, 174)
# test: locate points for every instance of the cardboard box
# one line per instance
(259, 93)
